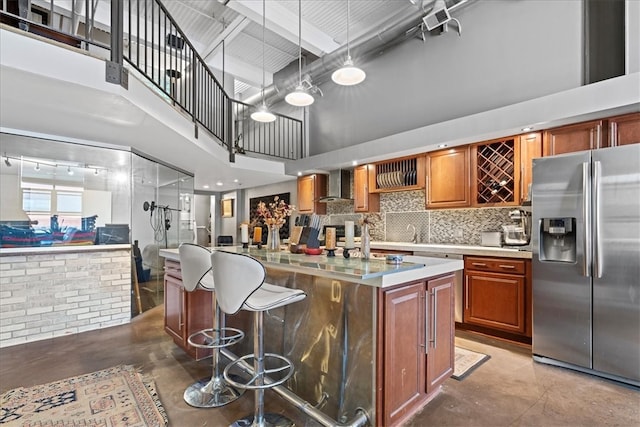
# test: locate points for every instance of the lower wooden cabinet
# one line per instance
(185, 312)
(418, 343)
(440, 342)
(497, 294)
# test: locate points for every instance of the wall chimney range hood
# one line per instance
(339, 186)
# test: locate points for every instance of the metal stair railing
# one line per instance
(154, 47)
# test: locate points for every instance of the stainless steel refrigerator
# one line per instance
(586, 261)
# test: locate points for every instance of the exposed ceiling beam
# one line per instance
(242, 70)
(227, 35)
(281, 21)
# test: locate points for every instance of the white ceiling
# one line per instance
(239, 23)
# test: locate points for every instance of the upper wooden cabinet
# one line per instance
(530, 148)
(578, 137)
(403, 174)
(496, 177)
(363, 200)
(447, 178)
(624, 130)
(310, 189)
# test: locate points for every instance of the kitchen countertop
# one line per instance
(373, 272)
(452, 249)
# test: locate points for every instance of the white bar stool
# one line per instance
(240, 285)
(214, 391)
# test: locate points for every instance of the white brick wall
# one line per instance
(48, 295)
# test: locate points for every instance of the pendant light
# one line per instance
(299, 97)
(349, 74)
(262, 114)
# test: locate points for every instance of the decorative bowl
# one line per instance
(313, 251)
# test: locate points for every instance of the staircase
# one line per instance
(140, 37)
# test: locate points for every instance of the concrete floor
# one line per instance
(509, 389)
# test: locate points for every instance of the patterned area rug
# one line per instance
(114, 397)
(466, 361)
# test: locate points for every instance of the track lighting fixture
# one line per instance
(69, 171)
(6, 160)
(37, 167)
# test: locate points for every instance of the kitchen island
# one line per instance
(370, 338)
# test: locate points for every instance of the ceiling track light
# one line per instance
(348, 74)
(37, 167)
(69, 171)
(262, 113)
(6, 160)
(300, 97)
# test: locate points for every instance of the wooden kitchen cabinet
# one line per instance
(624, 130)
(440, 342)
(363, 200)
(497, 294)
(310, 189)
(402, 174)
(447, 180)
(185, 312)
(572, 138)
(530, 148)
(495, 173)
(418, 345)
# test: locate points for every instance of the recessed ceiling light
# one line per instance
(354, 163)
(219, 183)
(205, 186)
(527, 129)
(442, 145)
(235, 180)
(299, 173)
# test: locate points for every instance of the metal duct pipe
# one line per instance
(395, 30)
(359, 420)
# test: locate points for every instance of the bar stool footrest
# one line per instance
(251, 384)
(212, 338)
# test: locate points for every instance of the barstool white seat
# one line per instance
(240, 285)
(213, 391)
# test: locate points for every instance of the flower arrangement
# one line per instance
(276, 212)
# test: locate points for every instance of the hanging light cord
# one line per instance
(263, 25)
(300, 40)
(348, 22)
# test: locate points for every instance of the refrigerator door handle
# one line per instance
(597, 250)
(586, 213)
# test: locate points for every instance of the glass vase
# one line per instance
(365, 246)
(273, 238)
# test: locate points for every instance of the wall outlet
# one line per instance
(458, 234)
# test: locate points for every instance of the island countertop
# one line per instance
(374, 272)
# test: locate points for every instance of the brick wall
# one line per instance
(52, 294)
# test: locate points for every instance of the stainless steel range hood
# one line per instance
(339, 186)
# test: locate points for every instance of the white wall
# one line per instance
(96, 202)
(509, 51)
(10, 194)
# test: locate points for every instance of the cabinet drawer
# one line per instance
(172, 268)
(496, 265)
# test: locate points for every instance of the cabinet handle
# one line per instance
(510, 267)
(522, 195)
(466, 293)
(479, 264)
(426, 187)
(434, 316)
(427, 328)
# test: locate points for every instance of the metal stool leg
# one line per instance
(259, 418)
(214, 391)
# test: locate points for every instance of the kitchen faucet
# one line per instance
(414, 238)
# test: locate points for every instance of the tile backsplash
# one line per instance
(400, 209)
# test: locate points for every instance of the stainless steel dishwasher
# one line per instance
(458, 280)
